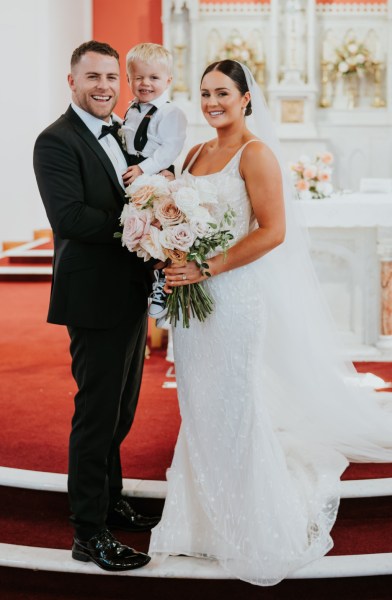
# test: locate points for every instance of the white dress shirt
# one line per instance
(108, 143)
(165, 134)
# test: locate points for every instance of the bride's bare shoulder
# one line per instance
(255, 155)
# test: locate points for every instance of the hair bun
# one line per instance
(248, 110)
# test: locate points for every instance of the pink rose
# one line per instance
(323, 176)
(310, 172)
(302, 185)
(136, 224)
(327, 158)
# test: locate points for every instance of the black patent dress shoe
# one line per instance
(123, 516)
(107, 552)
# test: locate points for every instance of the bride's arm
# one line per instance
(261, 173)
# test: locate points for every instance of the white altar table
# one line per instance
(351, 245)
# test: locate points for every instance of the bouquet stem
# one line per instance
(188, 301)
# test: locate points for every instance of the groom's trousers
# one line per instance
(107, 366)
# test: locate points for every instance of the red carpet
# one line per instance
(35, 518)
(29, 585)
(36, 395)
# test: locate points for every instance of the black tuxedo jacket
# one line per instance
(93, 275)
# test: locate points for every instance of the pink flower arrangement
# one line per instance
(312, 178)
(174, 221)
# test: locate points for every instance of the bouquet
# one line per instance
(352, 58)
(312, 178)
(181, 221)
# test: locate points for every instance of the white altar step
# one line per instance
(183, 567)
(145, 488)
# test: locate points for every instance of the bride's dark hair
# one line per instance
(232, 69)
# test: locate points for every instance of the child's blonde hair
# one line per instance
(150, 53)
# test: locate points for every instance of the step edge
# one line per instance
(26, 246)
(183, 567)
(25, 270)
(150, 488)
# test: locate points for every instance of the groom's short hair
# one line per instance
(92, 46)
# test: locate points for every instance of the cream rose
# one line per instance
(324, 188)
(150, 246)
(176, 184)
(199, 228)
(158, 182)
(207, 191)
(179, 237)
(343, 67)
(199, 222)
(168, 213)
(187, 199)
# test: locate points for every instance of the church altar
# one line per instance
(324, 69)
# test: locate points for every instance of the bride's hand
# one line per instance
(168, 174)
(176, 276)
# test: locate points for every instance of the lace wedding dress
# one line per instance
(265, 434)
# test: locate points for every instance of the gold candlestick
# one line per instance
(259, 73)
(351, 81)
(180, 85)
(378, 101)
(325, 101)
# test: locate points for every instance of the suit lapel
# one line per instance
(96, 147)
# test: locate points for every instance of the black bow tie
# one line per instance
(135, 105)
(113, 129)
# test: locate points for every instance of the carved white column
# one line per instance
(310, 44)
(389, 57)
(384, 251)
(274, 47)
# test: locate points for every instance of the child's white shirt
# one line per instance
(165, 135)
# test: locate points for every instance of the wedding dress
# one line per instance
(270, 414)
(252, 483)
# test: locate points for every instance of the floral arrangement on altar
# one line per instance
(237, 49)
(352, 58)
(312, 178)
(181, 221)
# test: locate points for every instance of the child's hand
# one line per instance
(131, 173)
(168, 174)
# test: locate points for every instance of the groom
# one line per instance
(99, 292)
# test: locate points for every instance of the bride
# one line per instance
(270, 414)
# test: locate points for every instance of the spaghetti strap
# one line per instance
(194, 157)
(236, 155)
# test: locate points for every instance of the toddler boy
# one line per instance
(154, 129)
